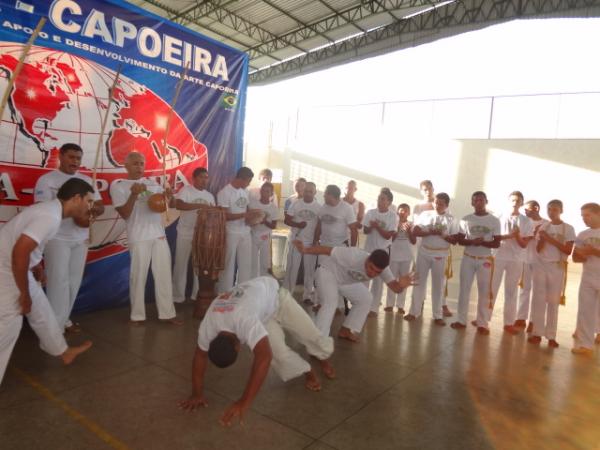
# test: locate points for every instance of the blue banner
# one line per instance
(62, 94)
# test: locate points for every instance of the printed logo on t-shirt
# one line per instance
(306, 214)
(592, 241)
(200, 201)
(381, 224)
(479, 230)
(241, 202)
(329, 219)
(358, 276)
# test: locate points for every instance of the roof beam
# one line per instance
(426, 27)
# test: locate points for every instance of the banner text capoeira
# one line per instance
(62, 95)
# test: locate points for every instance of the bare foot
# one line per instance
(446, 311)
(326, 368)
(474, 323)
(552, 343)
(520, 323)
(311, 382)
(72, 352)
(401, 311)
(389, 309)
(136, 323)
(372, 314)
(530, 327)
(174, 321)
(534, 339)
(511, 329)
(483, 330)
(74, 328)
(345, 333)
(458, 326)
(440, 322)
(409, 317)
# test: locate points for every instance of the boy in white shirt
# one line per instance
(22, 241)
(238, 241)
(479, 233)
(146, 240)
(257, 313)
(401, 257)
(346, 272)
(188, 200)
(587, 251)
(554, 245)
(532, 211)
(299, 185)
(264, 176)
(428, 194)
(380, 225)
(357, 206)
(65, 254)
(437, 230)
(510, 257)
(261, 233)
(302, 217)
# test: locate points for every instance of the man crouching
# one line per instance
(256, 313)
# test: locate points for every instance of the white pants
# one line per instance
(153, 252)
(523, 312)
(469, 268)
(292, 318)
(287, 280)
(329, 292)
(437, 266)
(588, 314)
(41, 319)
(183, 250)
(64, 265)
(310, 262)
(238, 250)
(376, 292)
(513, 271)
(261, 256)
(547, 285)
(398, 268)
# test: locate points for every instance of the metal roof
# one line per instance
(285, 38)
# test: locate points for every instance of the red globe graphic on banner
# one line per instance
(60, 98)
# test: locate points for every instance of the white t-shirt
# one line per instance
(46, 189)
(143, 224)
(421, 208)
(509, 249)
(236, 201)
(301, 211)
(591, 267)
(401, 249)
(245, 313)
(531, 253)
(347, 264)
(262, 232)
(430, 220)
(387, 220)
(334, 223)
(40, 222)
(289, 202)
(562, 233)
(254, 194)
(473, 227)
(187, 219)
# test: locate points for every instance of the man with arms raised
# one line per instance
(22, 241)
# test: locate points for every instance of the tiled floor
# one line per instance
(406, 385)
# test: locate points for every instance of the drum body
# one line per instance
(208, 255)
